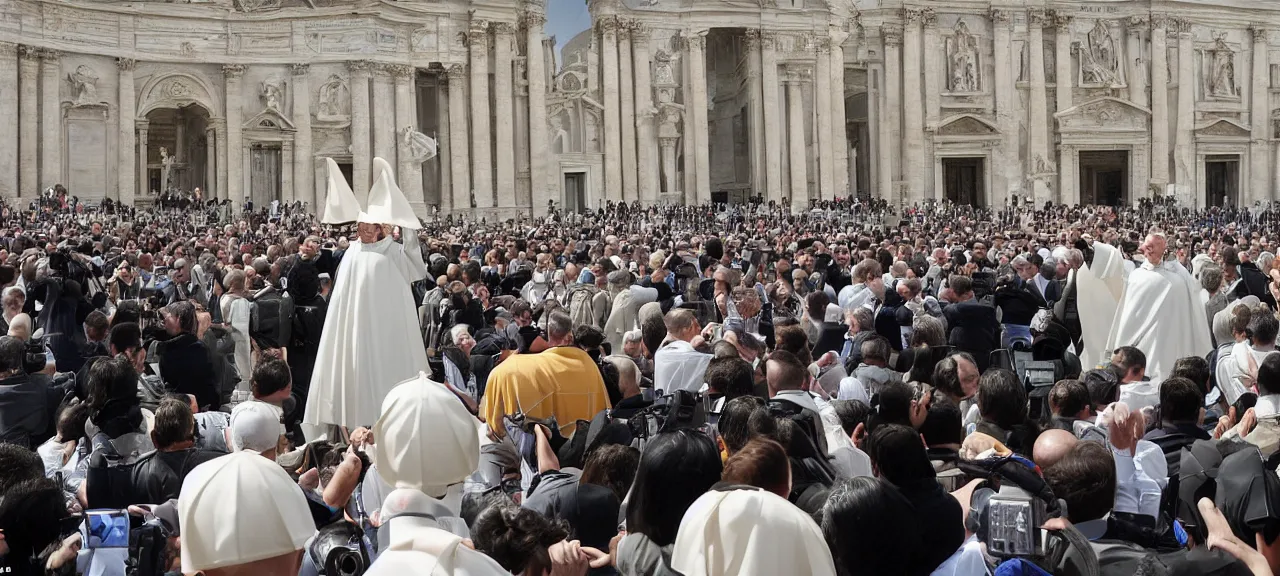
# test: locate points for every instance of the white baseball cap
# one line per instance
(255, 426)
(238, 509)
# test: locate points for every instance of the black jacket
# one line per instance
(1019, 301)
(972, 328)
(157, 476)
(186, 369)
(831, 339)
(1254, 283)
(304, 344)
(27, 407)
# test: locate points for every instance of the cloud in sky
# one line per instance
(565, 19)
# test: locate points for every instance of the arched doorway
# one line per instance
(177, 148)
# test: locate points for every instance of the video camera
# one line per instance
(1007, 510)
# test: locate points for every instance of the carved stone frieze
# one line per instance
(233, 70)
(125, 64)
(300, 69)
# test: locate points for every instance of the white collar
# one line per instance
(1268, 405)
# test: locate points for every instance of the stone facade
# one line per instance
(660, 101)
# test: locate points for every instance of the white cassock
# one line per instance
(1159, 313)
(371, 339)
(1099, 287)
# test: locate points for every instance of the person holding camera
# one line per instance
(184, 360)
(27, 404)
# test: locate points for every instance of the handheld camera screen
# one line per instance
(107, 529)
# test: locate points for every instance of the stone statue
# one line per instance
(334, 102)
(84, 84)
(1099, 62)
(662, 73)
(962, 57)
(590, 135)
(272, 94)
(166, 169)
(560, 137)
(419, 146)
(1223, 81)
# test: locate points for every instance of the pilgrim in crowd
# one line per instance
(633, 390)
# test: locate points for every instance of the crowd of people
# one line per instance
(639, 390)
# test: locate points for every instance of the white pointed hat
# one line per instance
(387, 204)
(340, 204)
(427, 440)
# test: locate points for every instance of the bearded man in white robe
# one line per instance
(1159, 312)
(371, 338)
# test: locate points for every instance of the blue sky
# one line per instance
(565, 19)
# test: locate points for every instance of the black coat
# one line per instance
(186, 369)
(972, 327)
(304, 344)
(1254, 283)
(1019, 301)
(831, 339)
(27, 407)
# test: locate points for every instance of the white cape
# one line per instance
(1160, 313)
(371, 339)
(1099, 287)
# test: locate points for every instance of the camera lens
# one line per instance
(350, 564)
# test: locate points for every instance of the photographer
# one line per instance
(158, 476)
(184, 359)
(27, 404)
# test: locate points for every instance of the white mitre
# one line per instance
(340, 204)
(387, 204)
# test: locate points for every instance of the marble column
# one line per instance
(1062, 64)
(234, 144)
(1159, 107)
(646, 160)
(220, 139)
(9, 111)
(1260, 114)
(304, 163)
(877, 130)
(50, 118)
(934, 54)
(1038, 160)
(286, 173)
(408, 171)
(1137, 73)
(612, 110)
(627, 101)
(383, 111)
(28, 121)
(1275, 163)
(892, 141)
(444, 155)
(1184, 154)
(913, 108)
(822, 104)
(838, 134)
(1007, 172)
(797, 76)
(540, 177)
(504, 115)
(755, 108)
(697, 109)
(144, 182)
(667, 148)
(772, 117)
(210, 165)
(126, 177)
(459, 163)
(481, 155)
(361, 153)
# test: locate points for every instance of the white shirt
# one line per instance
(677, 366)
(1140, 395)
(1140, 479)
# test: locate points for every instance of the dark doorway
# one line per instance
(347, 171)
(1104, 177)
(963, 180)
(575, 191)
(1222, 180)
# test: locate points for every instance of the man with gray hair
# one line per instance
(183, 285)
(628, 386)
(1214, 298)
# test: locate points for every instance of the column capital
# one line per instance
(1037, 17)
(362, 66)
(28, 51)
(1259, 34)
(640, 32)
(751, 36)
(125, 64)
(1136, 24)
(929, 17)
(504, 28)
(300, 69)
(456, 72)
(608, 24)
(694, 40)
(8, 47)
(141, 124)
(533, 18)
(768, 40)
(821, 43)
(401, 71)
(892, 34)
(624, 28)
(999, 16)
(233, 70)
(478, 32)
(50, 55)
(912, 15)
(1061, 20)
(380, 69)
(1180, 26)
(1159, 21)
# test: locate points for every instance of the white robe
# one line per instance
(371, 339)
(1099, 287)
(1160, 313)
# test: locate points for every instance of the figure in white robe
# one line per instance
(371, 339)
(1159, 311)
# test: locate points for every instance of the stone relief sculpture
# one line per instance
(272, 94)
(166, 168)
(590, 133)
(962, 58)
(559, 136)
(84, 84)
(255, 5)
(1099, 63)
(334, 103)
(1222, 78)
(419, 146)
(662, 73)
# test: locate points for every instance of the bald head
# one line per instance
(1052, 446)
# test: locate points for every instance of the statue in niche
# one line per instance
(962, 57)
(334, 104)
(1099, 62)
(166, 169)
(84, 84)
(662, 73)
(272, 94)
(590, 136)
(559, 137)
(419, 146)
(1223, 81)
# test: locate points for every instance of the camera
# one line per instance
(1008, 509)
(34, 358)
(338, 550)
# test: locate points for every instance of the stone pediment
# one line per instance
(269, 119)
(1105, 114)
(1222, 127)
(967, 125)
